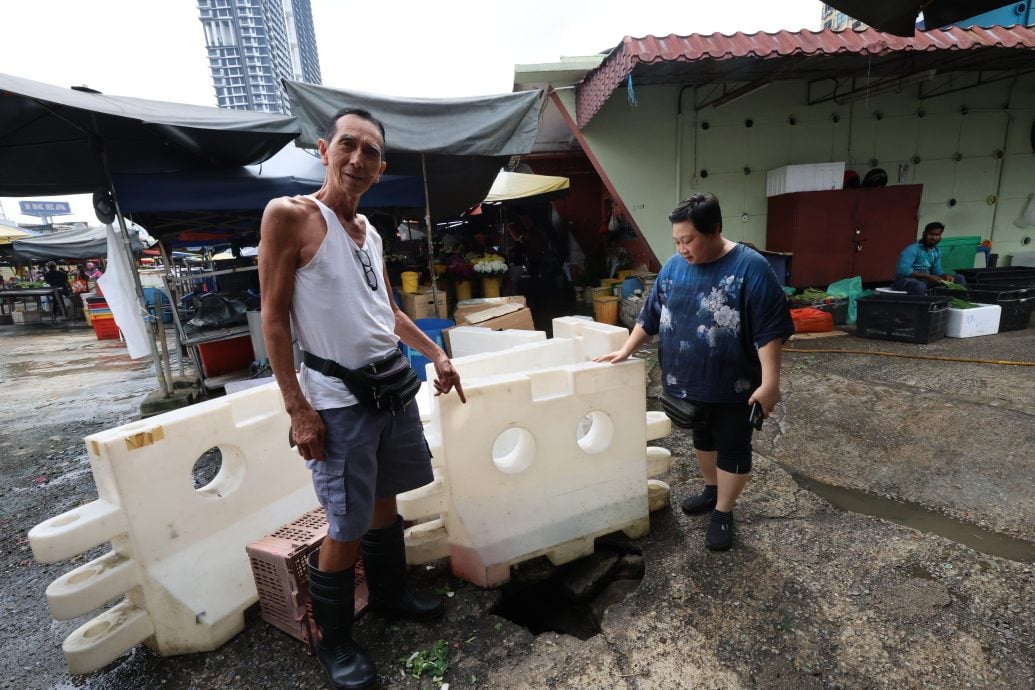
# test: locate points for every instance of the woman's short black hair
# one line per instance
(700, 209)
(362, 113)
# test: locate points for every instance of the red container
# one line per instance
(105, 328)
(225, 356)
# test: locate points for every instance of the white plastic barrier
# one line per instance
(471, 340)
(548, 453)
(178, 554)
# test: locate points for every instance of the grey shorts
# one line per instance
(368, 455)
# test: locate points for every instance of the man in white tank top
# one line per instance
(321, 266)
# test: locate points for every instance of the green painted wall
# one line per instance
(644, 148)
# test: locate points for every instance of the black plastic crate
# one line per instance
(1017, 302)
(906, 318)
(982, 275)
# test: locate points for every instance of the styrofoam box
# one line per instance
(810, 177)
(1023, 259)
(967, 323)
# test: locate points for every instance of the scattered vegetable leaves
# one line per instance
(434, 662)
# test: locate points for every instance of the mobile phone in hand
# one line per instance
(756, 417)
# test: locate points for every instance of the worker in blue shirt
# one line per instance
(920, 264)
(721, 318)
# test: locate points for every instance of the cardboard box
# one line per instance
(421, 304)
(500, 317)
(471, 306)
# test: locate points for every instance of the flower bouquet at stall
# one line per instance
(461, 271)
(489, 265)
(491, 268)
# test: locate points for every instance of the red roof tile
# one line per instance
(634, 55)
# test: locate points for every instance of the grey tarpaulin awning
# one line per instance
(50, 137)
(465, 141)
(66, 141)
(81, 243)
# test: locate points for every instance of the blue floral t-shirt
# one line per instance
(711, 319)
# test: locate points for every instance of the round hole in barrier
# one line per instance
(218, 471)
(97, 629)
(595, 432)
(513, 450)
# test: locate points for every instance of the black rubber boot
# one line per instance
(333, 599)
(384, 562)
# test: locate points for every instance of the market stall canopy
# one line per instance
(464, 141)
(513, 185)
(9, 233)
(51, 136)
(81, 243)
(289, 172)
(900, 18)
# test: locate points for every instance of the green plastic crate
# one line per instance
(958, 252)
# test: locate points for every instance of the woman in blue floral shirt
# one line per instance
(721, 316)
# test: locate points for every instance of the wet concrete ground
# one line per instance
(811, 596)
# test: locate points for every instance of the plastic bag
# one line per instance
(809, 320)
(852, 288)
(216, 310)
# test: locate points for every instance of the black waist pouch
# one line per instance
(683, 413)
(388, 384)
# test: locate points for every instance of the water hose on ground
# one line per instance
(1005, 362)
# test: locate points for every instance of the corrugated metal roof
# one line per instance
(699, 58)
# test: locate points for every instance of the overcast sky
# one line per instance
(156, 48)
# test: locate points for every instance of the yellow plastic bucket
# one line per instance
(625, 273)
(605, 309)
(410, 280)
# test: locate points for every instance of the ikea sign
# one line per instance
(45, 208)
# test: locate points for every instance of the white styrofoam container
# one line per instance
(1023, 259)
(810, 177)
(967, 323)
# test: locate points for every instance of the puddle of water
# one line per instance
(921, 519)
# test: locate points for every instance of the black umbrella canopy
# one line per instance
(899, 17)
(50, 137)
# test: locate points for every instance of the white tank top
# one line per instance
(335, 313)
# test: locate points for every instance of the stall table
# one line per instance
(9, 296)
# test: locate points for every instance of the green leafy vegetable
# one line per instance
(434, 662)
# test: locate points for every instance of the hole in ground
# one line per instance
(571, 599)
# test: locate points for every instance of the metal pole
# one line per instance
(427, 223)
(128, 248)
(160, 326)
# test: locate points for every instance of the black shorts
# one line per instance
(724, 428)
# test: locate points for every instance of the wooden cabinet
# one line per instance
(843, 233)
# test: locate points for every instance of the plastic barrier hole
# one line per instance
(64, 520)
(218, 471)
(513, 450)
(97, 629)
(595, 432)
(207, 467)
(83, 575)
